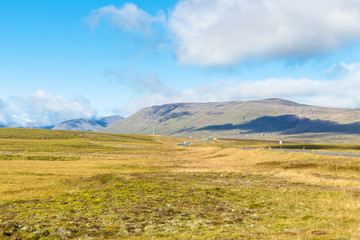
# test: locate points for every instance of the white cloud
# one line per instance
(42, 109)
(335, 93)
(218, 32)
(128, 18)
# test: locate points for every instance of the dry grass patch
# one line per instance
(62, 185)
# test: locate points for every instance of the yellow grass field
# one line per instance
(79, 185)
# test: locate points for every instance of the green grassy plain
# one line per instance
(80, 185)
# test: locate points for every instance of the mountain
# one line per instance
(25, 125)
(276, 116)
(82, 124)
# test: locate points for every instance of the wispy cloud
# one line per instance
(135, 79)
(128, 18)
(217, 32)
(334, 93)
(342, 69)
(42, 109)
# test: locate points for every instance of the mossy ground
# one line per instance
(102, 186)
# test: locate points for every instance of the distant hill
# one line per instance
(25, 125)
(82, 124)
(274, 115)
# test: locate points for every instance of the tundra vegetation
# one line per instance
(81, 185)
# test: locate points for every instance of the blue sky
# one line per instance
(72, 58)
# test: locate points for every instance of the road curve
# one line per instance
(186, 144)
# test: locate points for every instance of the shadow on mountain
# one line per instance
(289, 124)
(165, 109)
(185, 130)
(178, 115)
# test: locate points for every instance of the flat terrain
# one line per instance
(80, 185)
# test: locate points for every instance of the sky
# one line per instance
(68, 59)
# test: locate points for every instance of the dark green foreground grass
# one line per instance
(177, 206)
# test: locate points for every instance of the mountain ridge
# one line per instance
(81, 124)
(196, 119)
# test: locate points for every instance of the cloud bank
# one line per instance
(217, 32)
(41, 109)
(335, 93)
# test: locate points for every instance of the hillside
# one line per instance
(275, 116)
(82, 124)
